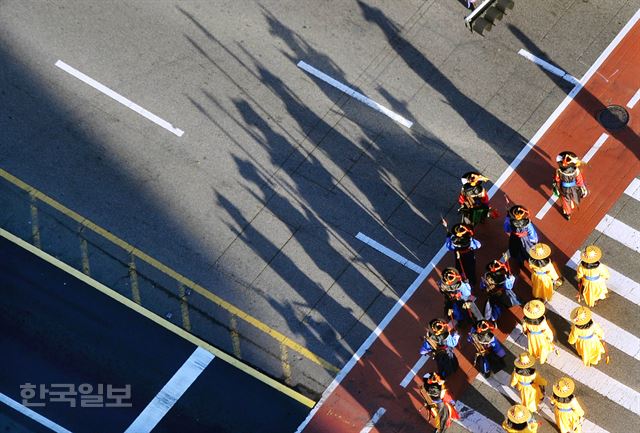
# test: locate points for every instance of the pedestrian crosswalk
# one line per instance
(609, 393)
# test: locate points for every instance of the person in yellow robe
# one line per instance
(529, 382)
(586, 336)
(568, 412)
(519, 419)
(535, 327)
(592, 276)
(544, 276)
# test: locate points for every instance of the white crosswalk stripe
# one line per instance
(621, 232)
(633, 190)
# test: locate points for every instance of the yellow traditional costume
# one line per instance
(592, 276)
(544, 276)
(539, 334)
(568, 412)
(526, 380)
(519, 419)
(586, 336)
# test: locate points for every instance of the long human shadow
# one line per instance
(504, 140)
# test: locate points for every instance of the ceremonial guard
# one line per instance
(498, 282)
(568, 412)
(586, 336)
(458, 300)
(519, 419)
(592, 276)
(535, 327)
(568, 182)
(440, 342)
(522, 233)
(489, 351)
(438, 402)
(463, 244)
(529, 382)
(473, 199)
(544, 276)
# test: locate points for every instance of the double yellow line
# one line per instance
(285, 342)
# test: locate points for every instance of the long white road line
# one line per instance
(548, 66)
(354, 94)
(388, 252)
(414, 370)
(436, 259)
(591, 377)
(501, 382)
(618, 283)
(32, 414)
(171, 392)
(614, 335)
(596, 146)
(118, 97)
(621, 232)
(374, 419)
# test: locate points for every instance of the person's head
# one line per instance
(567, 159)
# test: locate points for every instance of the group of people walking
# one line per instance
(457, 285)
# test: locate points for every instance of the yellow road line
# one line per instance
(184, 308)
(133, 277)
(35, 225)
(159, 320)
(283, 339)
(286, 367)
(235, 337)
(84, 249)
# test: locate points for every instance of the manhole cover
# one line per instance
(613, 117)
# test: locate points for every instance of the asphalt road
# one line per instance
(260, 200)
(58, 330)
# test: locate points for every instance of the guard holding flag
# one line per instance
(458, 301)
(461, 241)
(522, 233)
(438, 340)
(438, 401)
(498, 283)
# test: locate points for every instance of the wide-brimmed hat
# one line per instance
(591, 254)
(438, 326)
(567, 159)
(518, 212)
(484, 326)
(581, 315)
(564, 387)
(540, 251)
(461, 230)
(534, 309)
(472, 178)
(496, 265)
(524, 360)
(451, 275)
(518, 414)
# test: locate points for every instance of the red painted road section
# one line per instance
(374, 381)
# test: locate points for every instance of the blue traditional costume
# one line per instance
(458, 300)
(463, 244)
(498, 282)
(522, 233)
(440, 343)
(489, 351)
